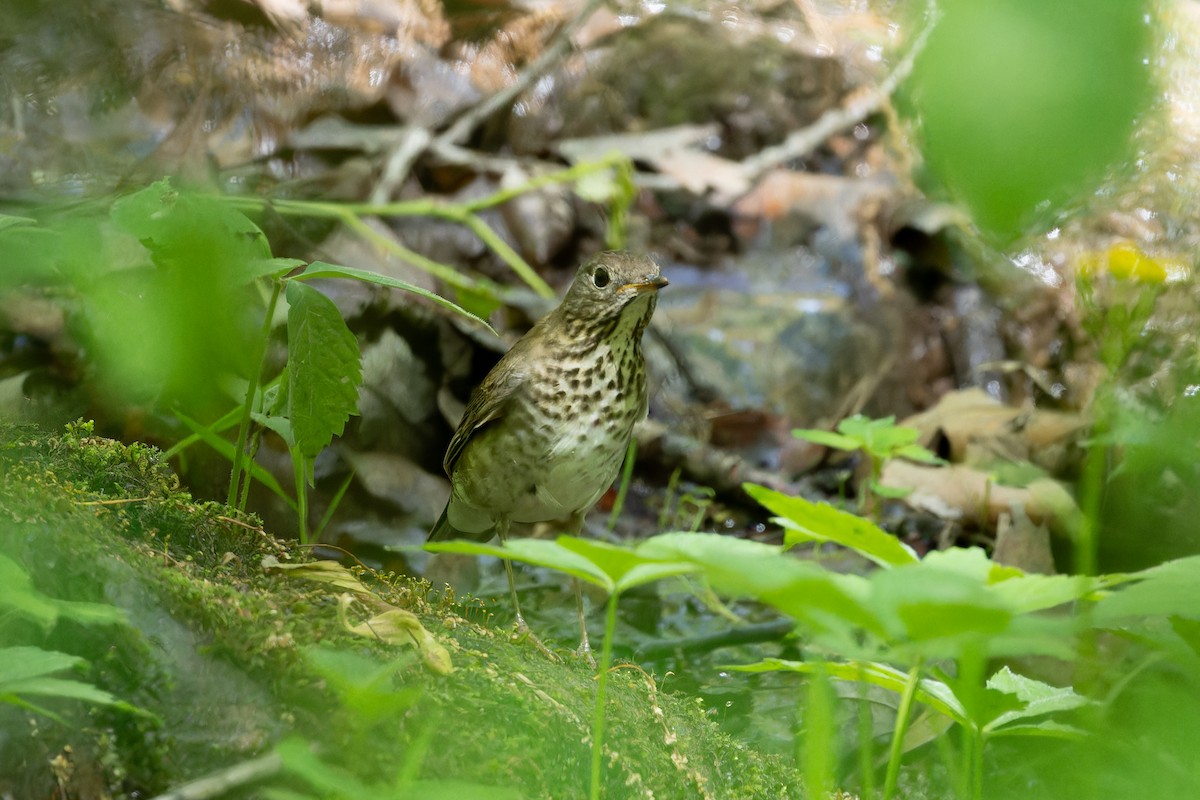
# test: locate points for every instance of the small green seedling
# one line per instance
(881, 440)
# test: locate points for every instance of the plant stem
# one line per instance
(866, 756)
(623, 487)
(606, 654)
(300, 472)
(260, 354)
(897, 748)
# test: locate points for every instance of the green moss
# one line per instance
(216, 650)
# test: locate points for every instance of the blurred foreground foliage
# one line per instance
(1022, 107)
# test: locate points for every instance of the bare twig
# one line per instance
(462, 128)
(220, 783)
(858, 107)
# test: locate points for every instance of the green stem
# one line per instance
(623, 486)
(606, 654)
(260, 354)
(1091, 491)
(866, 755)
(300, 473)
(507, 254)
(897, 749)
(977, 767)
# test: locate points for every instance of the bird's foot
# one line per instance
(523, 633)
(584, 651)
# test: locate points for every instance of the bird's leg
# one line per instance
(502, 533)
(585, 647)
(523, 631)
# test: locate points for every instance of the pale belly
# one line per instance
(552, 480)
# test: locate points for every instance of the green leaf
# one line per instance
(270, 267)
(1028, 593)
(915, 452)
(597, 187)
(18, 596)
(22, 663)
(330, 781)
(1168, 589)
(324, 369)
(1023, 105)
(931, 693)
(627, 568)
(26, 671)
(890, 492)
(828, 439)
(1046, 727)
(183, 229)
(821, 522)
(740, 568)
(319, 269)
(1037, 698)
(533, 551)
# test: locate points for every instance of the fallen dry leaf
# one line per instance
(329, 572)
(399, 627)
(392, 625)
(969, 495)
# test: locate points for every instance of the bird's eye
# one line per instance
(600, 277)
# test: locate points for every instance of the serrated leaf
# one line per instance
(1037, 698)
(319, 269)
(324, 369)
(185, 228)
(807, 521)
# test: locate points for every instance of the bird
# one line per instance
(544, 434)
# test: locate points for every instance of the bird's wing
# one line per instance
(490, 401)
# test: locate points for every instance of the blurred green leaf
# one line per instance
(932, 693)
(19, 597)
(364, 685)
(1022, 105)
(741, 568)
(1169, 589)
(827, 438)
(533, 551)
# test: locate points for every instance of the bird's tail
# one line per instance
(441, 530)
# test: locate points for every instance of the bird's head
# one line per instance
(611, 284)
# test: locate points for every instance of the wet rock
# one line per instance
(672, 70)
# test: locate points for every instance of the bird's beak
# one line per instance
(650, 284)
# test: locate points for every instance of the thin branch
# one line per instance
(220, 783)
(465, 125)
(858, 107)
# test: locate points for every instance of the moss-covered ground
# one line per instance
(230, 658)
